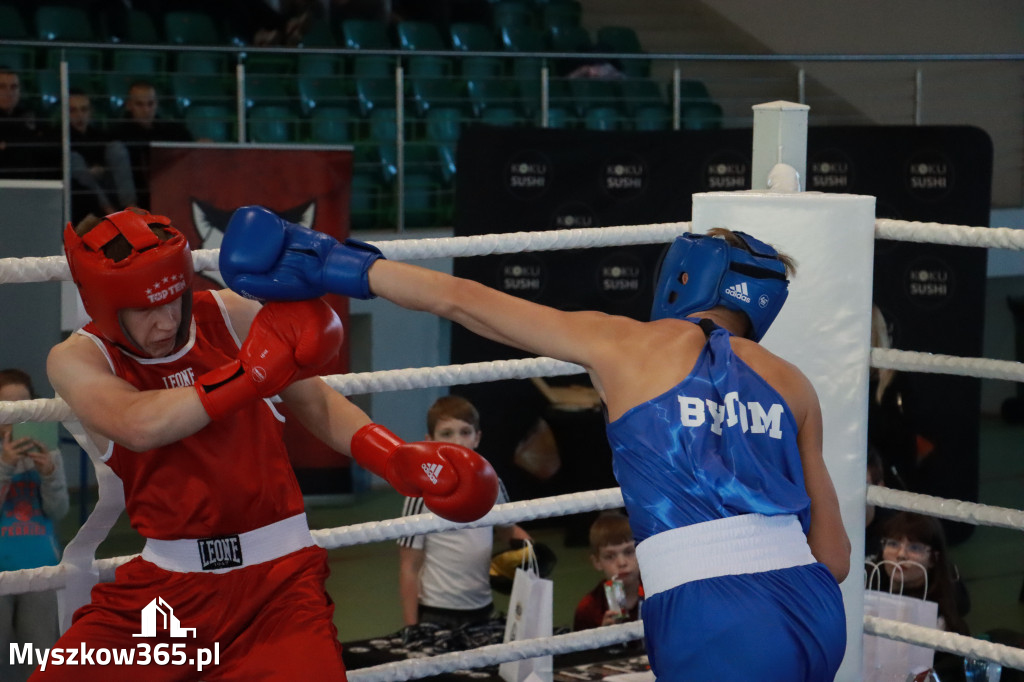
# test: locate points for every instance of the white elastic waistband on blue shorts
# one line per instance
(223, 554)
(751, 543)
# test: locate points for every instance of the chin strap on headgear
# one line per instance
(700, 272)
(153, 274)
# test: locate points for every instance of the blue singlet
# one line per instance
(721, 444)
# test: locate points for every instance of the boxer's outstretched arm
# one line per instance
(579, 337)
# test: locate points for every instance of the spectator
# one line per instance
(142, 126)
(613, 553)
(100, 165)
(444, 578)
(21, 137)
(918, 544)
(33, 494)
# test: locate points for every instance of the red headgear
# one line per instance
(155, 272)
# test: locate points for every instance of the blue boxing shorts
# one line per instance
(726, 606)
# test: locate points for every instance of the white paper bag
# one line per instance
(886, 660)
(529, 617)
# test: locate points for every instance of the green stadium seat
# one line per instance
(317, 92)
(134, 27)
(428, 66)
(419, 35)
(18, 58)
(202, 63)
(213, 122)
(361, 34)
(480, 67)
(506, 117)
(375, 93)
(566, 13)
(485, 93)
(190, 89)
(331, 125)
(602, 118)
(569, 38)
(472, 37)
(591, 93)
(272, 124)
(428, 92)
(443, 124)
(150, 64)
(640, 93)
(12, 24)
(271, 64)
(652, 118)
(266, 89)
(522, 38)
(365, 201)
(318, 34)
(319, 64)
(701, 116)
(511, 13)
(191, 28)
(373, 66)
(64, 23)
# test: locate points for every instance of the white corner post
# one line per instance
(780, 137)
(825, 326)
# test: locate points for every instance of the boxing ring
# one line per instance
(78, 568)
(789, 219)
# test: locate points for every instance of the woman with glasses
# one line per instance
(917, 544)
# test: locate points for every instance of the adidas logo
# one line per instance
(432, 471)
(739, 291)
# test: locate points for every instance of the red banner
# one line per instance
(199, 187)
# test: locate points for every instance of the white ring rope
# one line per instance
(914, 361)
(954, 510)
(1009, 656)
(499, 653)
(955, 235)
(55, 409)
(51, 577)
(55, 268)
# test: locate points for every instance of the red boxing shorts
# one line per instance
(268, 621)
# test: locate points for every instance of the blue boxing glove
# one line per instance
(270, 259)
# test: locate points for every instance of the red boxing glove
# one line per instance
(286, 342)
(456, 483)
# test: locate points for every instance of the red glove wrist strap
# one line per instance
(225, 389)
(372, 446)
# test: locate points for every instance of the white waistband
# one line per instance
(227, 553)
(752, 543)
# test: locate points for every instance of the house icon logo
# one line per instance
(159, 612)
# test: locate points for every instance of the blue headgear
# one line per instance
(700, 272)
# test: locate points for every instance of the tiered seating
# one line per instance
(340, 99)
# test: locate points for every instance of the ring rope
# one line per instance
(55, 268)
(954, 510)
(914, 361)
(932, 638)
(955, 235)
(55, 409)
(50, 577)
(499, 653)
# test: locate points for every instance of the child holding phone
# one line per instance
(33, 495)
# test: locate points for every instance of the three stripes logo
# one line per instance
(739, 291)
(432, 471)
